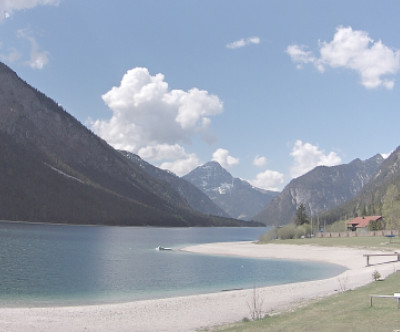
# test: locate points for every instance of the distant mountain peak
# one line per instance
(377, 158)
(214, 164)
(195, 197)
(355, 161)
(215, 167)
(236, 196)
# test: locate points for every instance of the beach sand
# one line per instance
(191, 313)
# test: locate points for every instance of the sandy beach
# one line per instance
(191, 313)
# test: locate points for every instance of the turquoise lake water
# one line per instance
(59, 264)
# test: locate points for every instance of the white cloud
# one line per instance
(38, 59)
(193, 107)
(182, 166)
(153, 121)
(300, 55)
(179, 162)
(243, 42)
(7, 7)
(259, 161)
(269, 180)
(162, 151)
(12, 55)
(355, 50)
(307, 156)
(224, 159)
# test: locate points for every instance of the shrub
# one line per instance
(299, 232)
(272, 234)
(337, 226)
(375, 225)
(256, 305)
(376, 275)
(287, 232)
(306, 229)
(290, 231)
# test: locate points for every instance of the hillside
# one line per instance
(53, 169)
(235, 196)
(319, 190)
(381, 196)
(196, 199)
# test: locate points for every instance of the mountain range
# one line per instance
(235, 196)
(196, 199)
(380, 196)
(319, 190)
(54, 169)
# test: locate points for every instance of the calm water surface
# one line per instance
(57, 264)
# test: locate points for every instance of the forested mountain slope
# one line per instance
(194, 196)
(53, 169)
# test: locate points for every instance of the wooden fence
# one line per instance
(358, 233)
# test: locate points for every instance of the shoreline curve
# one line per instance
(190, 313)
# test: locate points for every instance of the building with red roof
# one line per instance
(362, 223)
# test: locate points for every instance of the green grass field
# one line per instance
(378, 242)
(347, 311)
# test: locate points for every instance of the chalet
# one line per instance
(362, 223)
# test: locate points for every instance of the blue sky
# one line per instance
(270, 89)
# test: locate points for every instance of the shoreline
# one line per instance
(190, 313)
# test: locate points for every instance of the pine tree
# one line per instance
(301, 216)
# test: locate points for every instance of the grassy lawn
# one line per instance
(347, 311)
(377, 242)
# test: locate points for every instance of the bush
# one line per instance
(287, 232)
(307, 230)
(269, 236)
(299, 232)
(375, 225)
(290, 231)
(337, 226)
(376, 275)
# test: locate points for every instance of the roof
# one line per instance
(363, 221)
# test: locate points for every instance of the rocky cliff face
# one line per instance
(319, 190)
(380, 196)
(235, 196)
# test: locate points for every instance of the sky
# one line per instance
(269, 89)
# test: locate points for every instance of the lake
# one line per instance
(59, 264)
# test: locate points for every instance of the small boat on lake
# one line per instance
(162, 248)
